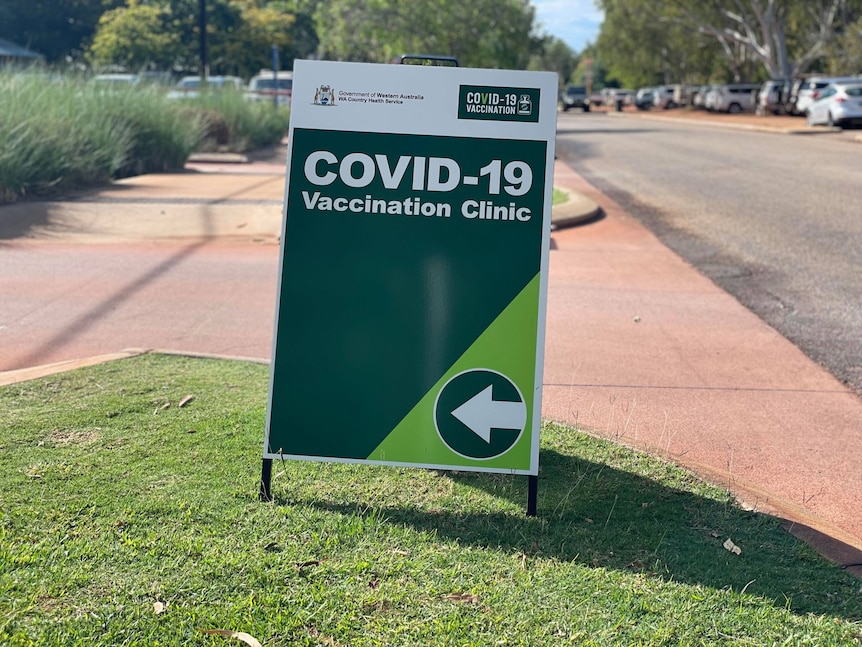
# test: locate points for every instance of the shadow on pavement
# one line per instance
(18, 219)
(110, 302)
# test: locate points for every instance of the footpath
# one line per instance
(640, 348)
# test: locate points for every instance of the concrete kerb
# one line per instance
(726, 124)
(578, 209)
(36, 372)
(218, 158)
(33, 373)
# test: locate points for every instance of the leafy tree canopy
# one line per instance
(555, 56)
(134, 37)
(645, 42)
(480, 33)
(57, 29)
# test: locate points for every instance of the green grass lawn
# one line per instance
(128, 520)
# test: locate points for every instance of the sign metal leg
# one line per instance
(532, 494)
(266, 481)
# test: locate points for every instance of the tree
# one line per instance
(846, 54)
(555, 56)
(240, 36)
(304, 40)
(58, 29)
(591, 67)
(760, 28)
(224, 18)
(481, 33)
(784, 36)
(755, 38)
(134, 37)
(642, 44)
(248, 46)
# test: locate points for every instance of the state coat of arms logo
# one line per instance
(324, 96)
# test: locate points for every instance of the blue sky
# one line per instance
(574, 21)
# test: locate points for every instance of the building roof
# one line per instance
(8, 49)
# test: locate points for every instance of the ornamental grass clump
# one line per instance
(54, 137)
(163, 134)
(65, 133)
(238, 125)
(61, 134)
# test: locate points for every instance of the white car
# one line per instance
(189, 87)
(810, 89)
(838, 104)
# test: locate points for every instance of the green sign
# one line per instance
(410, 316)
(499, 104)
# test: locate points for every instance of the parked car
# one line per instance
(698, 96)
(663, 97)
(733, 97)
(771, 96)
(838, 104)
(627, 96)
(683, 94)
(189, 87)
(575, 96)
(793, 97)
(617, 98)
(155, 78)
(810, 88)
(272, 87)
(115, 81)
(644, 98)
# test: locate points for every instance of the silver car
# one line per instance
(838, 104)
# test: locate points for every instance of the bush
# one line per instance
(163, 134)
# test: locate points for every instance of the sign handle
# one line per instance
(532, 494)
(265, 494)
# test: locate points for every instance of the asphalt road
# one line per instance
(776, 220)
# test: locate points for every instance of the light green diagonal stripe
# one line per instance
(507, 346)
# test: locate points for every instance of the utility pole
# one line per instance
(202, 26)
(275, 87)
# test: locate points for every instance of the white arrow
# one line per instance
(481, 413)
